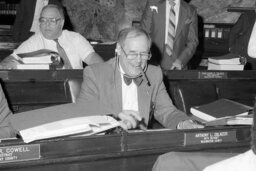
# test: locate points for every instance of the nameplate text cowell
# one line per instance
(19, 153)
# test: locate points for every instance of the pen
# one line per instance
(142, 125)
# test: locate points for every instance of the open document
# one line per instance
(87, 125)
(231, 120)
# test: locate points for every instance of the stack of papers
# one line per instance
(87, 125)
(40, 59)
(42, 62)
(37, 60)
(231, 120)
(226, 62)
(33, 66)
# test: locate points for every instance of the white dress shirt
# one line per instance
(177, 10)
(129, 94)
(252, 43)
(242, 162)
(75, 45)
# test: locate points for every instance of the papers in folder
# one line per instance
(87, 125)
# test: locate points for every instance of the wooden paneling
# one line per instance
(125, 151)
(27, 90)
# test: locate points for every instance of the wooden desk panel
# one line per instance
(125, 151)
(119, 151)
(33, 89)
(40, 75)
(192, 88)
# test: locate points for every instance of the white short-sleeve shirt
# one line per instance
(242, 162)
(75, 45)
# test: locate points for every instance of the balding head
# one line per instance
(51, 21)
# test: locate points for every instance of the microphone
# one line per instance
(145, 76)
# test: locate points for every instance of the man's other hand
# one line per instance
(177, 65)
(129, 119)
(189, 124)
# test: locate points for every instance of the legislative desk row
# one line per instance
(133, 150)
(126, 151)
(26, 89)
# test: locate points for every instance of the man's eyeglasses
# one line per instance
(132, 56)
(52, 21)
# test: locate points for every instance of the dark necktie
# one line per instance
(63, 55)
(137, 80)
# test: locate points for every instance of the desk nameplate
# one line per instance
(19, 153)
(213, 75)
(195, 138)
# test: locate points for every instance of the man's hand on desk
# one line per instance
(177, 65)
(9, 63)
(129, 119)
(189, 124)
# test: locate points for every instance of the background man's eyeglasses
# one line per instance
(52, 21)
(132, 56)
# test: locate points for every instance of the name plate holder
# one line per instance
(211, 137)
(19, 153)
(213, 75)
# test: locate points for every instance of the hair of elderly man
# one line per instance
(58, 7)
(253, 131)
(131, 32)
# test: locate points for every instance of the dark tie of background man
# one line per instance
(171, 29)
(137, 80)
(63, 55)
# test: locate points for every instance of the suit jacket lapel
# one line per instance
(144, 100)
(181, 20)
(117, 91)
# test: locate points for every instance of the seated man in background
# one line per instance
(5, 114)
(30, 10)
(72, 47)
(239, 38)
(124, 86)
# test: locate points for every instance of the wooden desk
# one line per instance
(118, 151)
(26, 90)
(192, 88)
(125, 151)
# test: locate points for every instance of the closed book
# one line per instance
(227, 67)
(38, 60)
(219, 108)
